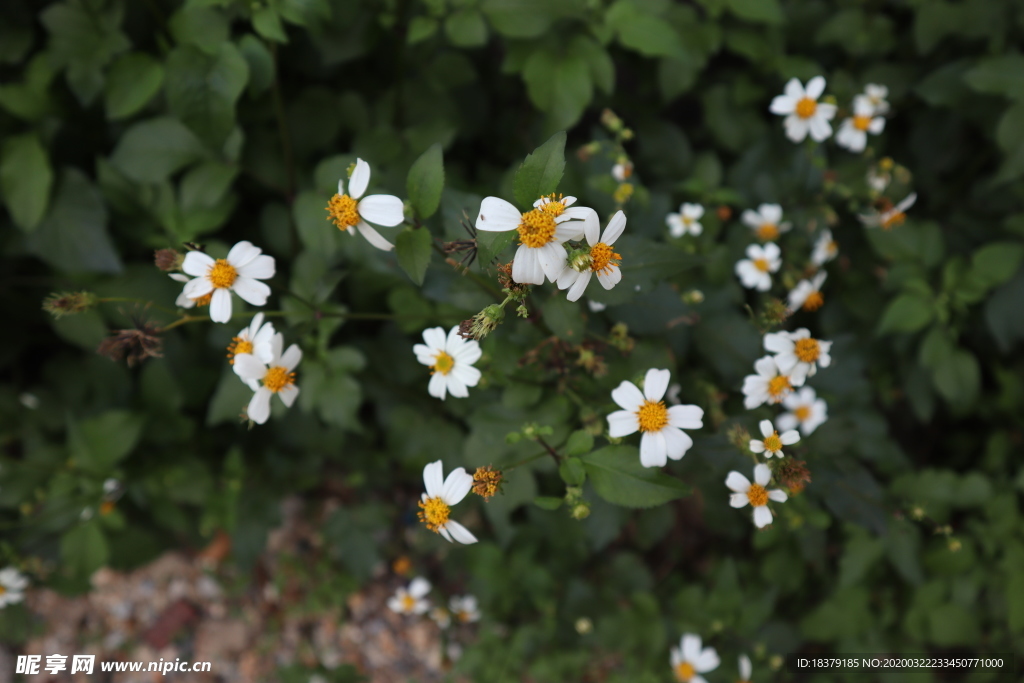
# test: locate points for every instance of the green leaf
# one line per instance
(133, 80)
(1015, 600)
(548, 502)
(316, 232)
(572, 472)
(953, 624)
(1002, 75)
(520, 18)
(420, 28)
(565, 318)
(491, 244)
(541, 172)
(580, 442)
(466, 28)
(619, 478)
(205, 27)
(84, 37)
(906, 313)
(83, 549)
(268, 24)
(25, 180)
(150, 151)
(425, 182)
(958, 380)
(1002, 313)
(202, 90)
(73, 237)
(559, 84)
(260, 61)
(413, 248)
(760, 11)
(98, 443)
(649, 35)
(996, 262)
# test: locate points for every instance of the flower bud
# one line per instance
(168, 260)
(69, 303)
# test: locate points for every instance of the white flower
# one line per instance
(110, 486)
(874, 96)
(745, 669)
(275, 377)
(756, 494)
(441, 617)
(825, 248)
(798, 351)
(807, 294)
(686, 221)
(802, 110)
(254, 339)
(773, 441)
(542, 232)
(891, 218)
(853, 132)
(806, 410)
(878, 180)
(601, 259)
(186, 302)
(766, 222)
(769, 385)
(411, 600)
(435, 506)
(596, 306)
(349, 211)
(645, 412)
(755, 270)
(240, 273)
(450, 361)
(622, 170)
(12, 586)
(464, 609)
(690, 659)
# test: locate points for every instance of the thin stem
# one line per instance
(524, 461)
(550, 449)
(482, 283)
(127, 299)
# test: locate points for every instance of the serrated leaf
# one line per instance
(541, 172)
(618, 477)
(906, 313)
(580, 442)
(572, 471)
(425, 182)
(25, 180)
(413, 247)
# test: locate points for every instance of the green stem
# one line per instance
(524, 461)
(127, 299)
(482, 283)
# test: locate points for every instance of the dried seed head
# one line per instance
(134, 345)
(168, 260)
(487, 482)
(69, 303)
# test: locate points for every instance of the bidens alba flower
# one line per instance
(853, 132)
(690, 659)
(662, 426)
(276, 376)
(187, 302)
(464, 608)
(803, 112)
(766, 222)
(798, 351)
(687, 221)
(769, 385)
(450, 361)
(807, 294)
(240, 273)
(12, 586)
(755, 270)
(746, 671)
(825, 248)
(806, 410)
(411, 600)
(352, 210)
(542, 232)
(890, 218)
(442, 494)
(254, 339)
(773, 442)
(755, 494)
(601, 259)
(874, 96)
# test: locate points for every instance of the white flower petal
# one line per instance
(677, 442)
(686, 416)
(456, 486)
(497, 215)
(259, 406)
(738, 500)
(580, 286)
(656, 384)
(359, 180)
(220, 305)
(288, 394)
(196, 263)
(433, 479)
(616, 226)
(438, 386)
(622, 423)
(815, 87)
(627, 396)
(526, 268)
(737, 482)
(762, 475)
(653, 450)
(373, 237)
(382, 209)
(248, 367)
(778, 496)
(707, 661)
(252, 291)
(242, 254)
(762, 516)
(460, 533)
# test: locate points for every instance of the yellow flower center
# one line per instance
(237, 346)
(861, 122)
(342, 211)
(3, 589)
(767, 232)
(537, 228)
(408, 602)
(554, 205)
(757, 495)
(106, 507)
(603, 258)
(222, 274)
(802, 413)
(684, 672)
(893, 220)
(463, 616)
(434, 513)
(653, 416)
(203, 300)
(814, 301)
(806, 107)
(773, 443)
(778, 387)
(277, 378)
(443, 363)
(807, 350)
(761, 264)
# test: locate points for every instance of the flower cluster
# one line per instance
(413, 600)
